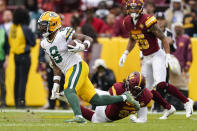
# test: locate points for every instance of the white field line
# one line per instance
(68, 111)
(53, 125)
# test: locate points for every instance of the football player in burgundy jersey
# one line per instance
(135, 84)
(144, 31)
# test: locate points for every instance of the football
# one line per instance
(72, 43)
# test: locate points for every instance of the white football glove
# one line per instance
(123, 58)
(78, 48)
(54, 91)
(61, 96)
(168, 58)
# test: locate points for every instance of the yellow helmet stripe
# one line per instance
(140, 79)
(114, 91)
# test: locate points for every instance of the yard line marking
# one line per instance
(70, 111)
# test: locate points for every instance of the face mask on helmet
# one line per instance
(135, 84)
(43, 28)
(134, 10)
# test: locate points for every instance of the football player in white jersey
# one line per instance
(65, 59)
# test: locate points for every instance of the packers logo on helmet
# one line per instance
(48, 23)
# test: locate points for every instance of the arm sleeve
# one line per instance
(30, 37)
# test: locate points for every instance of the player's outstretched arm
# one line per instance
(130, 46)
(56, 79)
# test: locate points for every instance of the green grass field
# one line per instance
(48, 121)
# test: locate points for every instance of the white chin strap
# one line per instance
(134, 15)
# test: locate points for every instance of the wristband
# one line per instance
(56, 78)
(126, 52)
(87, 42)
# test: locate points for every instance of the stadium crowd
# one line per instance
(99, 18)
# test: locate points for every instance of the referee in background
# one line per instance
(168, 33)
(21, 39)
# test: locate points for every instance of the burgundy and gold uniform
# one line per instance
(146, 40)
(121, 110)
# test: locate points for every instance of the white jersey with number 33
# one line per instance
(58, 51)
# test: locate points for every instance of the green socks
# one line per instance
(105, 100)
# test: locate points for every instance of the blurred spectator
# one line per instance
(167, 32)
(47, 5)
(7, 18)
(190, 24)
(190, 20)
(2, 8)
(184, 55)
(47, 76)
(75, 22)
(157, 2)
(94, 3)
(96, 23)
(118, 28)
(193, 5)
(102, 10)
(34, 13)
(21, 39)
(150, 8)
(88, 30)
(4, 52)
(175, 13)
(61, 6)
(103, 78)
(107, 29)
(116, 9)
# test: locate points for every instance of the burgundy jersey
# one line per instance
(121, 110)
(146, 40)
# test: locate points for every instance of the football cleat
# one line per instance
(189, 107)
(76, 120)
(130, 100)
(133, 118)
(168, 113)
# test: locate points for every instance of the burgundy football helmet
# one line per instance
(135, 7)
(135, 83)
